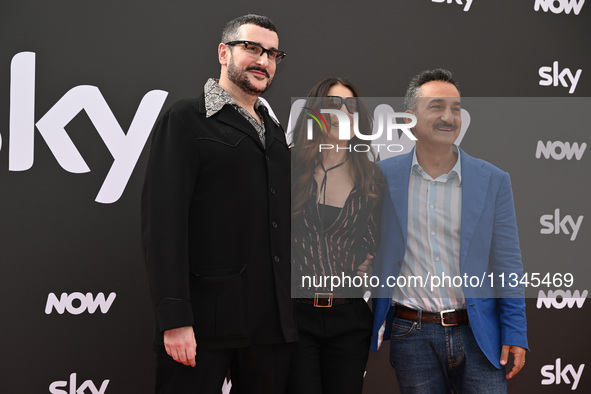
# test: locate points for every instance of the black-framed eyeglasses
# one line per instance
(255, 50)
(336, 102)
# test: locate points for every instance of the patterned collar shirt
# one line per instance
(216, 97)
(433, 241)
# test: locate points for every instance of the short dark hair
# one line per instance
(230, 32)
(414, 87)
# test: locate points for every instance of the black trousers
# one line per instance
(333, 347)
(260, 369)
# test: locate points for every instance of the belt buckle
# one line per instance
(323, 294)
(443, 323)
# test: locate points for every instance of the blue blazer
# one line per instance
(489, 245)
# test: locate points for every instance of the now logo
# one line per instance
(560, 298)
(559, 150)
(125, 147)
(558, 6)
(77, 303)
(54, 388)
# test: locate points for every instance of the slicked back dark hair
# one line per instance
(413, 93)
(230, 32)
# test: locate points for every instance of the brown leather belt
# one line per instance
(324, 300)
(450, 317)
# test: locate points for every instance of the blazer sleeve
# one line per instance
(505, 259)
(166, 197)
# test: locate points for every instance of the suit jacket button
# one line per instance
(274, 224)
(276, 258)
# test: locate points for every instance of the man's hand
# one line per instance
(180, 344)
(518, 358)
(365, 266)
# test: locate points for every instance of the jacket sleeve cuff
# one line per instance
(174, 313)
(515, 339)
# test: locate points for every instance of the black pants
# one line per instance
(260, 369)
(333, 347)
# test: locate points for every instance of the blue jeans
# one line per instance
(430, 358)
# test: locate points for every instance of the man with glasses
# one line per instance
(215, 221)
(447, 214)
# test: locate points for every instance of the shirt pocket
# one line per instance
(226, 135)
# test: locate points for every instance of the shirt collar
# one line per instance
(455, 171)
(216, 97)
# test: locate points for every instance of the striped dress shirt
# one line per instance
(433, 242)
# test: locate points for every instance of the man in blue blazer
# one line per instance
(449, 238)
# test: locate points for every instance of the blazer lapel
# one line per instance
(474, 186)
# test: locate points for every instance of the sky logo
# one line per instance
(468, 3)
(71, 386)
(125, 146)
(553, 76)
(556, 374)
(557, 224)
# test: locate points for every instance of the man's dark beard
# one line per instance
(239, 78)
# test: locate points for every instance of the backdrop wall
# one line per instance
(81, 83)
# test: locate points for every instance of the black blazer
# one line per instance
(216, 227)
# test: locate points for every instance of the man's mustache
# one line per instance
(446, 125)
(258, 69)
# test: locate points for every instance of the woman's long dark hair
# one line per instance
(306, 156)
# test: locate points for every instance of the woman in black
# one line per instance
(336, 198)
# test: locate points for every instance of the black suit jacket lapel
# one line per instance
(272, 129)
